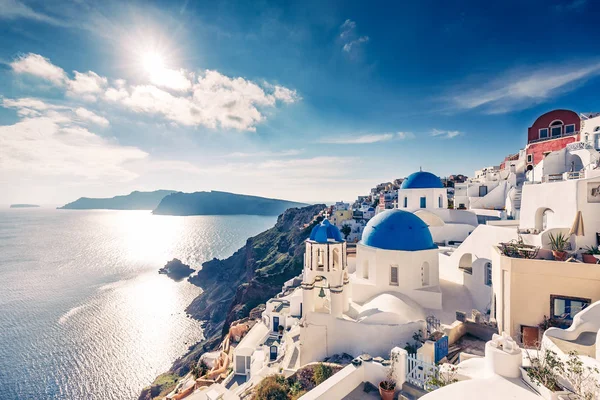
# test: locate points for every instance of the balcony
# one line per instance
(553, 137)
(566, 176)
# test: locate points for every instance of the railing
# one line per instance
(553, 137)
(418, 371)
(564, 177)
(579, 146)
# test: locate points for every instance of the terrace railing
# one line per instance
(554, 137)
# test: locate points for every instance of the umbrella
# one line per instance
(577, 228)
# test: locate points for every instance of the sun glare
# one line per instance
(153, 63)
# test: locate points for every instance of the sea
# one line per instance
(84, 313)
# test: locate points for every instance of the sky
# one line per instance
(301, 100)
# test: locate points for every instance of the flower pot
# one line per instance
(541, 389)
(589, 258)
(386, 394)
(560, 255)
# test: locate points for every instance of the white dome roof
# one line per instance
(390, 309)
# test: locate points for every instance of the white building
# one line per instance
(394, 287)
(423, 194)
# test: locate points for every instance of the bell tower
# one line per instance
(325, 284)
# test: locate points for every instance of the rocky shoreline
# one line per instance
(234, 286)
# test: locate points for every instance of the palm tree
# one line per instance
(346, 230)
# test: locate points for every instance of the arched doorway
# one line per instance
(466, 263)
(542, 218)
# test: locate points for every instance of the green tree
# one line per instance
(346, 230)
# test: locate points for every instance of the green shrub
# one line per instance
(273, 387)
(321, 373)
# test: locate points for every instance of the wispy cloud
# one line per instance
(15, 9)
(214, 100)
(347, 27)
(349, 37)
(445, 134)
(368, 138)
(523, 88)
(283, 153)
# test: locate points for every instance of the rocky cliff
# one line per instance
(234, 286)
(221, 203)
(132, 201)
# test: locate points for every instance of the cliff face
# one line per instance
(221, 203)
(132, 201)
(251, 276)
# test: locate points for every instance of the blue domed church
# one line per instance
(382, 301)
(422, 190)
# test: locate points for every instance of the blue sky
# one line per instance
(312, 101)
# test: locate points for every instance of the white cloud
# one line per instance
(14, 9)
(86, 85)
(368, 138)
(405, 135)
(347, 27)
(284, 153)
(348, 46)
(445, 134)
(172, 79)
(88, 115)
(213, 100)
(217, 101)
(349, 37)
(43, 146)
(41, 67)
(524, 88)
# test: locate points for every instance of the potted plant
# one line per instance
(588, 255)
(388, 386)
(544, 373)
(559, 244)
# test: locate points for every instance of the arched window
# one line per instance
(336, 259)
(545, 219)
(556, 128)
(440, 201)
(320, 260)
(425, 274)
(365, 272)
(393, 275)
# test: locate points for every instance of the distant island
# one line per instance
(133, 201)
(221, 203)
(23, 206)
(176, 270)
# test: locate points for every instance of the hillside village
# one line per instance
(438, 288)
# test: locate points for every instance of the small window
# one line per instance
(543, 133)
(569, 129)
(425, 274)
(366, 270)
(440, 202)
(488, 274)
(556, 131)
(423, 202)
(394, 275)
(405, 202)
(566, 308)
(529, 158)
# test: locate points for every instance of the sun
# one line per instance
(153, 62)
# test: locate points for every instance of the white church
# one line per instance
(387, 295)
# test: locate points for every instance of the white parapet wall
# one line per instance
(350, 377)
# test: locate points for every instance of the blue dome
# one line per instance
(397, 230)
(324, 232)
(422, 180)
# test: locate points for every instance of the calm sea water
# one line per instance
(83, 311)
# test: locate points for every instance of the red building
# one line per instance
(552, 131)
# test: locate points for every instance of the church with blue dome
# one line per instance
(422, 190)
(387, 293)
